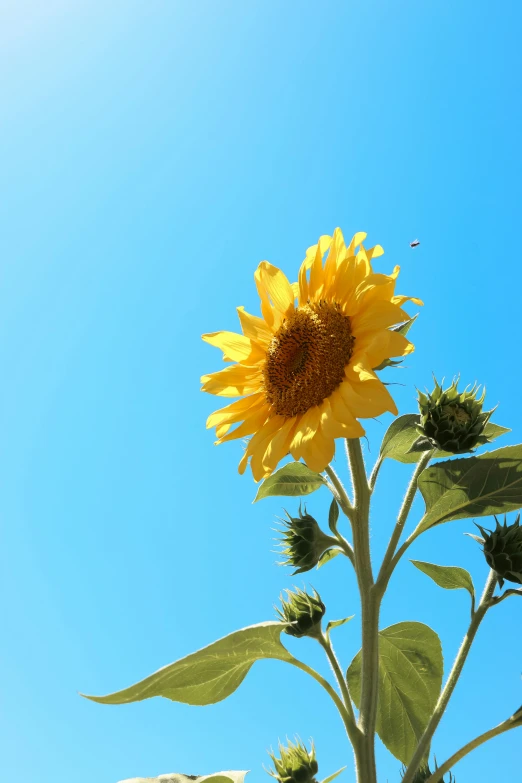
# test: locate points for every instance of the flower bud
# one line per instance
(451, 421)
(295, 765)
(303, 542)
(302, 613)
(503, 550)
(424, 772)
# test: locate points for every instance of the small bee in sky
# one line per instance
(414, 243)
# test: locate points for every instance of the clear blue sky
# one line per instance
(151, 155)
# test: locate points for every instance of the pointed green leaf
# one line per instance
(294, 479)
(333, 515)
(337, 623)
(332, 777)
(176, 777)
(327, 556)
(211, 674)
(472, 486)
(410, 679)
(401, 441)
(448, 577)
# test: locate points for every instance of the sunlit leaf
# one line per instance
(211, 674)
(410, 679)
(294, 479)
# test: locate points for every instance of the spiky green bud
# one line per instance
(295, 763)
(502, 549)
(453, 421)
(424, 772)
(302, 613)
(303, 542)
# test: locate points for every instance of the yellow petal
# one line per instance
(236, 347)
(378, 315)
(253, 327)
(234, 381)
(236, 410)
(374, 252)
(277, 287)
(306, 427)
(278, 447)
(367, 399)
(356, 240)
(257, 445)
(319, 451)
(316, 276)
(401, 299)
(253, 421)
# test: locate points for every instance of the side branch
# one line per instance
(388, 563)
(507, 725)
(442, 703)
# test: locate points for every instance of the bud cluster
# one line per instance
(295, 765)
(453, 421)
(303, 542)
(503, 550)
(302, 613)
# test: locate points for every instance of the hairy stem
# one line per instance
(340, 493)
(442, 703)
(369, 610)
(387, 563)
(326, 644)
(507, 725)
(347, 718)
(375, 472)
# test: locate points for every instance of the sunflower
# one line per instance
(305, 370)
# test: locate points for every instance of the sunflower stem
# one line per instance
(507, 725)
(326, 644)
(339, 492)
(387, 566)
(369, 611)
(349, 723)
(460, 660)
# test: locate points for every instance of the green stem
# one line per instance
(387, 563)
(375, 472)
(442, 703)
(369, 611)
(507, 725)
(326, 644)
(340, 493)
(349, 723)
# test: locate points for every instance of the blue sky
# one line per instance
(152, 154)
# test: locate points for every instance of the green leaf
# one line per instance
(176, 777)
(448, 577)
(333, 516)
(332, 777)
(410, 679)
(402, 435)
(472, 486)
(336, 624)
(211, 674)
(327, 556)
(293, 479)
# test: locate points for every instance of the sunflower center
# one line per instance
(306, 358)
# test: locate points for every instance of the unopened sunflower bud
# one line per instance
(453, 421)
(503, 550)
(302, 613)
(303, 542)
(424, 772)
(295, 763)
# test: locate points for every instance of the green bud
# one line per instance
(453, 421)
(303, 542)
(302, 613)
(424, 772)
(295, 765)
(503, 550)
